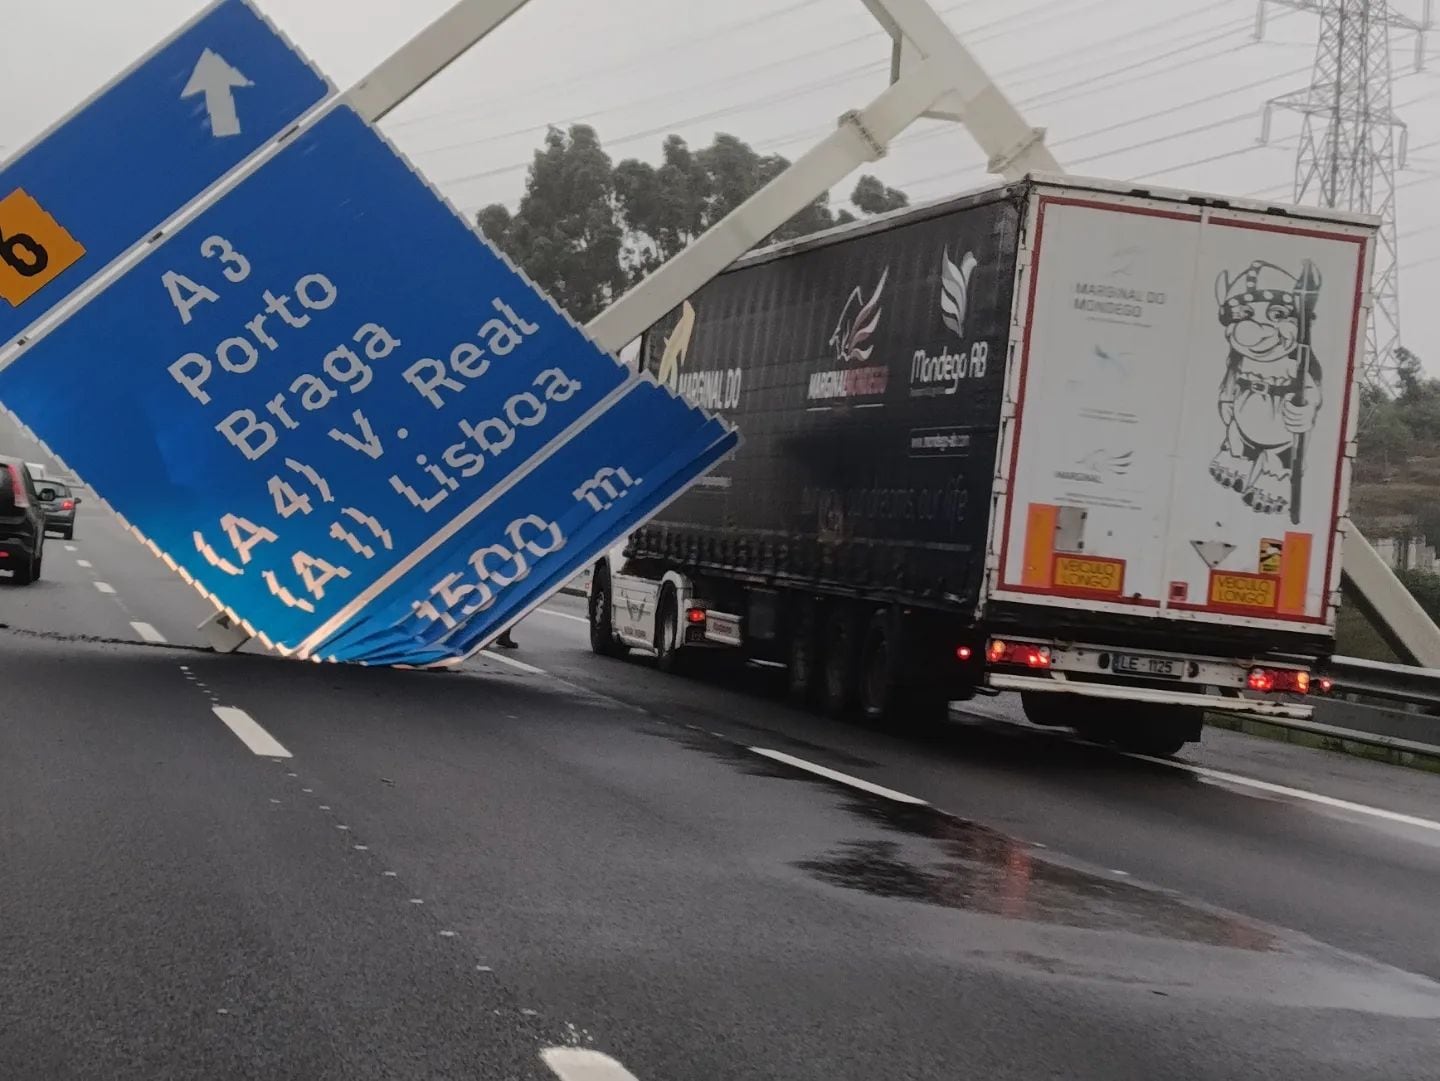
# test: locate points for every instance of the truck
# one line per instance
(1081, 440)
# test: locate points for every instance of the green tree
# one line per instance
(585, 229)
(565, 235)
(665, 207)
(871, 196)
(1408, 369)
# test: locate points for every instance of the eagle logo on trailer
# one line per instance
(1270, 393)
(851, 341)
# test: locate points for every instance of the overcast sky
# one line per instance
(1169, 91)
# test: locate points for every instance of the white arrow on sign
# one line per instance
(1212, 552)
(217, 79)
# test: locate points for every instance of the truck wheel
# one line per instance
(841, 684)
(879, 695)
(602, 618)
(668, 652)
(803, 674)
(1159, 731)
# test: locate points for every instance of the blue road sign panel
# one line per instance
(348, 419)
(140, 150)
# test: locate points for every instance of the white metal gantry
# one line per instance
(932, 75)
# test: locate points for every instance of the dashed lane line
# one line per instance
(582, 1064)
(83, 563)
(519, 666)
(147, 632)
(1221, 777)
(1218, 777)
(563, 615)
(836, 775)
(71, 548)
(250, 733)
(105, 587)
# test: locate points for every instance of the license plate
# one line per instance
(1137, 664)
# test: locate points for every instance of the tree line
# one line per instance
(587, 228)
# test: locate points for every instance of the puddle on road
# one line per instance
(935, 858)
(982, 870)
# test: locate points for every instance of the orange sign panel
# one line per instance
(1234, 590)
(1089, 574)
(35, 249)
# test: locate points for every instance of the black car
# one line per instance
(22, 523)
(59, 502)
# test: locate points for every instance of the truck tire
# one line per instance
(803, 669)
(602, 617)
(841, 685)
(880, 696)
(669, 656)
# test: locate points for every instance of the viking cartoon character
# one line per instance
(1270, 394)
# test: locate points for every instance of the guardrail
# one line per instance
(1392, 707)
(1389, 682)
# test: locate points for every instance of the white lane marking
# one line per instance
(147, 632)
(105, 587)
(71, 548)
(250, 733)
(1221, 777)
(521, 666)
(563, 615)
(83, 563)
(582, 1064)
(836, 775)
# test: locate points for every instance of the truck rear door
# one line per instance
(1177, 440)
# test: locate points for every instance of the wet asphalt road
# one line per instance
(451, 873)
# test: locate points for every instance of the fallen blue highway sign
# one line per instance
(107, 176)
(347, 419)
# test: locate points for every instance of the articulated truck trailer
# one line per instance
(1070, 438)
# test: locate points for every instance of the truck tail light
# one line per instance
(1324, 684)
(1278, 681)
(963, 653)
(694, 616)
(1021, 654)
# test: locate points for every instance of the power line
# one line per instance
(1225, 156)
(1274, 189)
(977, 33)
(1123, 124)
(626, 64)
(787, 61)
(1041, 98)
(783, 95)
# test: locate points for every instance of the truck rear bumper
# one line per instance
(1057, 684)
